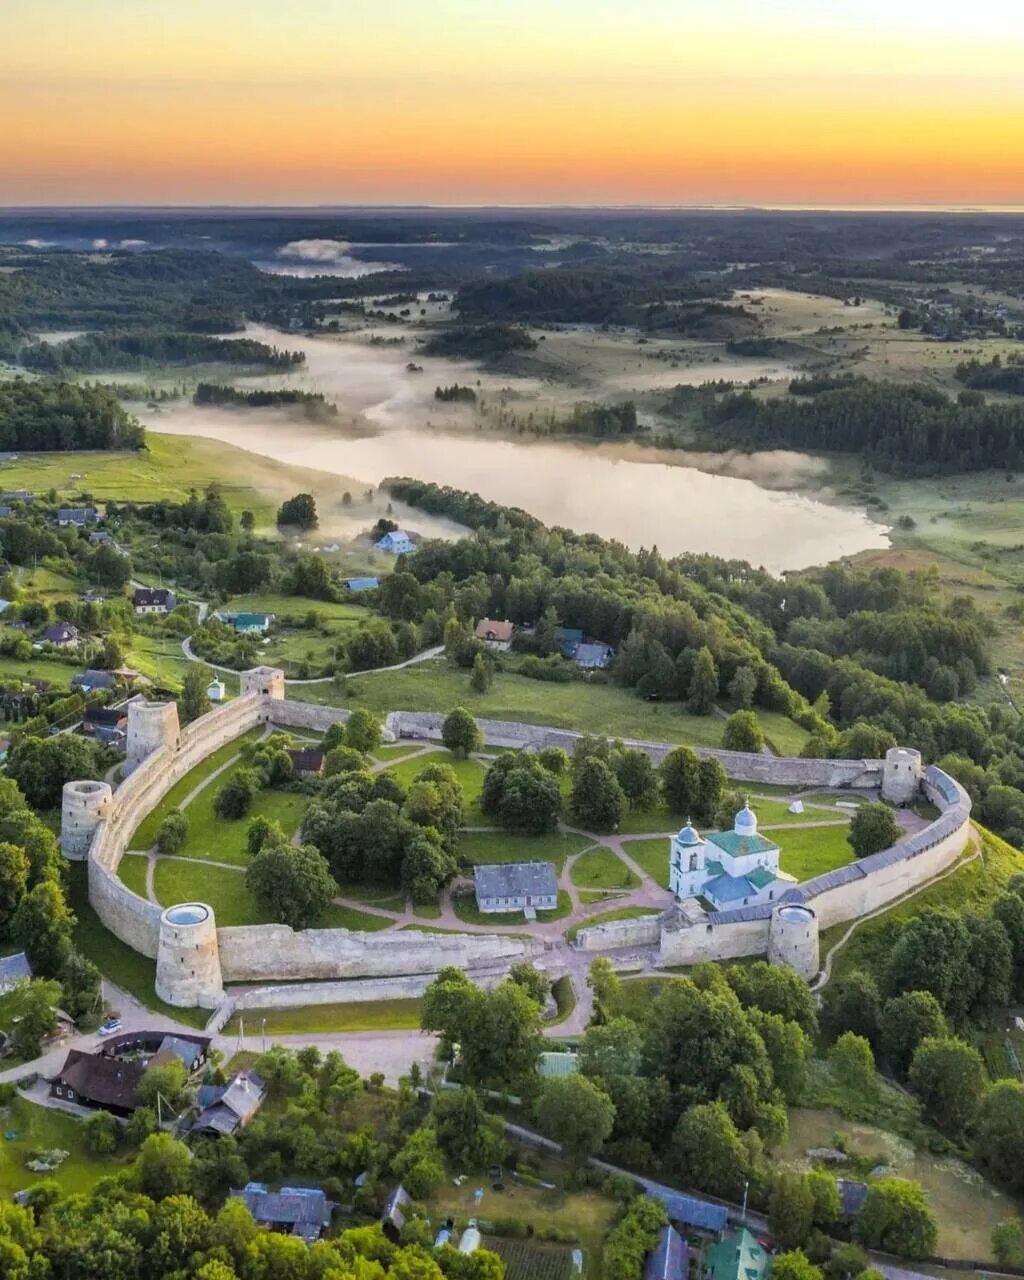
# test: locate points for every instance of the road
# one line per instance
(427, 654)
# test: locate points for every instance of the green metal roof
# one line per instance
(760, 877)
(737, 846)
(737, 1256)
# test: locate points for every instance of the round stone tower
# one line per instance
(187, 958)
(84, 805)
(151, 725)
(266, 681)
(793, 938)
(901, 775)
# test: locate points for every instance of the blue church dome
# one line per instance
(746, 822)
(689, 834)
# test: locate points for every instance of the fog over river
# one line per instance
(390, 425)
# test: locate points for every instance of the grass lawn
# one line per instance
(215, 839)
(602, 868)
(38, 1128)
(383, 896)
(466, 909)
(652, 855)
(296, 607)
(502, 846)
(144, 836)
(161, 658)
(811, 851)
(39, 668)
(642, 821)
(426, 910)
(470, 774)
(394, 751)
(132, 872)
(782, 735)
(775, 812)
(124, 967)
(368, 1015)
(606, 917)
(225, 891)
(605, 709)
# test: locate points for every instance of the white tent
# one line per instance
(796, 806)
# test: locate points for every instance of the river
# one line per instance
(390, 425)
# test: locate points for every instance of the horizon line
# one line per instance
(652, 207)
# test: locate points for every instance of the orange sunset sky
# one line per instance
(811, 102)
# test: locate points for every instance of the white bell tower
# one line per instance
(687, 862)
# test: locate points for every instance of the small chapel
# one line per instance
(737, 868)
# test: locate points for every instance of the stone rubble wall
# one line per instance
(292, 714)
(641, 931)
(275, 953)
(742, 765)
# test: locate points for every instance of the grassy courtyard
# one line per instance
(144, 836)
(811, 851)
(363, 1015)
(215, 839)
(501, 846)
(602, 868)
(652, 856)
(132, 872)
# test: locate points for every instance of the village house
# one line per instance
(392, 1218)
(495, 635)
(592, 655)
(100, 538)
(516, 886)
(670, 1257)
(737, 1256)
(153, 600)
(737, 868)
(308, 762)
(396, 542)
(89, 681)
(94, 1080)
(301, 1211)
(62, 634)
(246, 623)
(362, 584)
(108, 725)
(76, 517)
(226, 1108)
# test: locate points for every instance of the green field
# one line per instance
(144, 836)
(601, 868)
(161, 659)
(470, 774)
(606, 917)
(466, 909)
(216, 839)
(590, 708)
(652, 856)
(132, 872)
(40, 1129)
(224, 889)
(811, 851)
(502, 846)
(368, 1015)
(38, 668)
(531, 1260)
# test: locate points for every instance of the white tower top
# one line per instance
(689, 835)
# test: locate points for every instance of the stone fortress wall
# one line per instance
(102, 824)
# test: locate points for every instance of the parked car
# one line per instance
(111, 1027)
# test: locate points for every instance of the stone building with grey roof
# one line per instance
(516, 886)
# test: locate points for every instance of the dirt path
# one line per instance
(435, 652)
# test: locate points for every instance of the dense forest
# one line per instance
(909, 429)
(486, 342)
(993, 375)
(118, 350)
(313, 403)
(45, 416)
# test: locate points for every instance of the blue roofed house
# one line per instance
(362, 584)
(670, 1257)
(592, 655)
(396, 542)
(689, 1211)
(737, 868)
(569, 638)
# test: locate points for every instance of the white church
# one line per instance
(737, 868)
